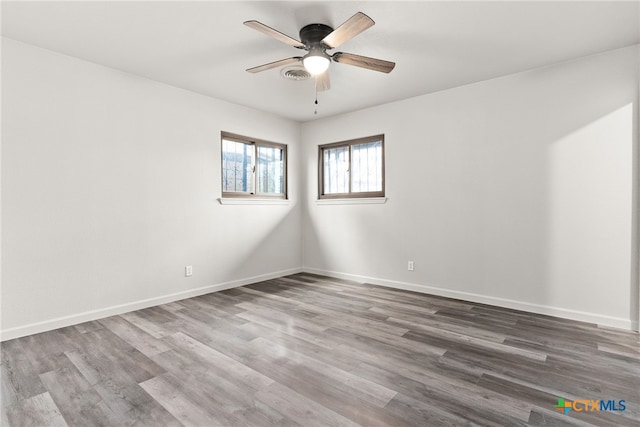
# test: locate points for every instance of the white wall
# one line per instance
(515, 191)
(109, 188)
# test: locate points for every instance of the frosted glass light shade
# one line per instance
(316, 64)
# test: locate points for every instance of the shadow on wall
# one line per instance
(269, 232)
(590, 218)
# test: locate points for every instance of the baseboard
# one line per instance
(74, 319)
(60, 322)
(615, 322)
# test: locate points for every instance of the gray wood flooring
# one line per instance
(307, 350)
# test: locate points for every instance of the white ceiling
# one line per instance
(202, 46)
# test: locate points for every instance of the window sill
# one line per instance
(353, 201)
(241, 201)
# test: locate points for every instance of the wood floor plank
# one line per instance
(358, 324)
(422, 413)
(78, 402)
(156, 330)
(399, 347)
(36, 411)
(237, 371)
(547, 418)
(539, 374)
(122, 354)
(460, 341)
(467, 405)
(4, 416)
(542, 399)
(199, 316)
(258, 314)
(221, 308)
(44, 351)
(121, 393)
(262, 324)
(579, 355)
(18, 376)
(352, 384)
(228, 339)
(428, 323)
(314, 386)
(300, 409)
(88, 326)
(617, 382)
(307, 350)
(95, 367)
(180, 405)
(139, 339)
(295, 341)
(173, 306)
(619, 349)
(225, 402)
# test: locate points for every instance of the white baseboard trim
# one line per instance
(74, 319)
(615, 322)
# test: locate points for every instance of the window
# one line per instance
(253, 168)
(352, 168)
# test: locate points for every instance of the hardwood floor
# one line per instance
(313, 351)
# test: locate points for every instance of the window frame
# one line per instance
(255, 143)
(350, 143)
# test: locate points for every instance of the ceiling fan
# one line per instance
(316, 39)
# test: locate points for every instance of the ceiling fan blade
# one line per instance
(348, 30)
(274, 33)
(322, 81)
(275, 64)
(364, 62)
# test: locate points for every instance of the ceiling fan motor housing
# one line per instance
(311, 35)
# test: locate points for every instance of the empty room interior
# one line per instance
(303, 213)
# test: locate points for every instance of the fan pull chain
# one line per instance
(315, 111)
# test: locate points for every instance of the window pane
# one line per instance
(270, 170)
(336, 170)
(366, 167)
(237, 167)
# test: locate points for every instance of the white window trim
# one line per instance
(252, 201)
(353, 201)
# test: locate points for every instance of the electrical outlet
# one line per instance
(410, 265)
(188, 270)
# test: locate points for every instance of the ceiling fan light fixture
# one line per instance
(316, 62)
